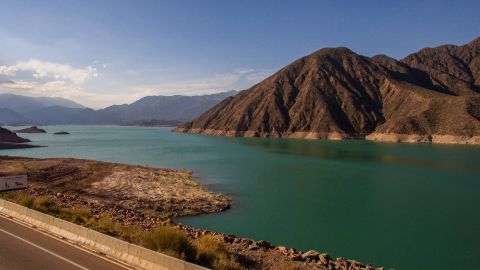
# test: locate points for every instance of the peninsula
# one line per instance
(10, 140)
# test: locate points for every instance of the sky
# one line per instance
(103, 52)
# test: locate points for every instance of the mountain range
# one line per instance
(151, 110)
(432, 95)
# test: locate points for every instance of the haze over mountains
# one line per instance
(432, 95)
(151, 110)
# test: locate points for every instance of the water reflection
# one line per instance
(396, 154)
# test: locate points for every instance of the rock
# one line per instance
(282, 249)
(32, 129)
(295, 257)
(253, 246)
(292, 251)
(246, 242)
(61, 133)
(264, 244)
(324, 258)
(228, 239)
(311, 254)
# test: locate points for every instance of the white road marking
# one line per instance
(43, 249)
(86, 250)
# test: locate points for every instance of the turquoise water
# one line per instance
(404, 206)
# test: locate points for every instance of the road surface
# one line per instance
(23, 248)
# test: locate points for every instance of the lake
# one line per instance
(403, 206)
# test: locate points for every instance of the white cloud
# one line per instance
(8, 70)
(44, 69)
(245, 70)
(239, 79)
(43, 78)
(16, 85)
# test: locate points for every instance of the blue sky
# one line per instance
(104, 52)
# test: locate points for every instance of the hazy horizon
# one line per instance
(73, 100)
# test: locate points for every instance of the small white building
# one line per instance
(13, 182)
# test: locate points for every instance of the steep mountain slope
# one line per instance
(454, 69)
(335, 93)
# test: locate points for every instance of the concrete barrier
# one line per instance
(114, 248)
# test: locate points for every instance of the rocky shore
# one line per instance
(10, 140)
(102, 188)
(32, 129)
(378, 137)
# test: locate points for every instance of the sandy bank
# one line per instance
(379, 137)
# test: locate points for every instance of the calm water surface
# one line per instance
(404, 206)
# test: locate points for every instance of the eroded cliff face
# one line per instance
(334, 93)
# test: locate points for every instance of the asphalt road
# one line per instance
(22, 248)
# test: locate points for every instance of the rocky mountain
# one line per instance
(23, 104)
(432, 95)
(152, 110)
(165, 108)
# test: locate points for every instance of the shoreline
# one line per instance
(53, 177)
(336, 136)
(9, 145)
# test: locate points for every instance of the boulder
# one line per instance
(264, 244)
(295, 257)
(311, 254)
(324, 258)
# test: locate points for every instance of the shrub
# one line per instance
(76, 215)
(171, 241)
(105, 224)
(45, 204)
(19, 198)
(212, 253)
(131, 233)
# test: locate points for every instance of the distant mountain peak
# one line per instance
(23, 104)
(154, 110)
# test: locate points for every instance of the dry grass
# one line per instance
(211, 252)
(12, 167)
(170, 241)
